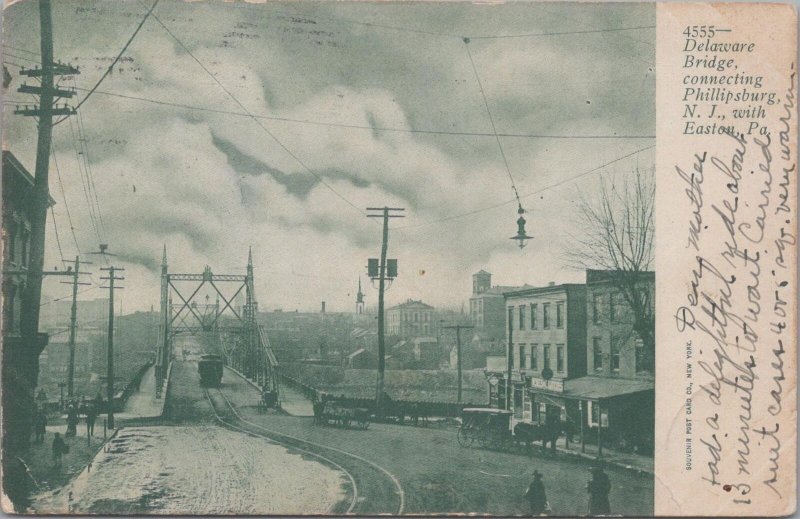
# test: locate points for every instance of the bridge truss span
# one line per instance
(229, 324)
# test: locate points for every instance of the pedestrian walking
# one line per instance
(599, 487)
(91, 416)
(537, 499)
(40, 426)
(59, 449)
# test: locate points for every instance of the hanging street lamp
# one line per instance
(521, 237)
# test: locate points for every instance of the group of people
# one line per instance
(74, 409)
(598, 487)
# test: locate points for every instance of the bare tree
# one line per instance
(617, 227)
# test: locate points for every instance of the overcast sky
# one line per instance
(209, 184)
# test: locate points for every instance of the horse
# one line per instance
(527, 433)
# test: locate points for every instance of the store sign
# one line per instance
(555, 386)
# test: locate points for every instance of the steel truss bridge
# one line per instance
(243, 342)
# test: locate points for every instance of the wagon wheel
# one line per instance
(485, 438)
(465, 439)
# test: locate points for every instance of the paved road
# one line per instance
(437, 475)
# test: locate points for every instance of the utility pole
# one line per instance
(509, 356)
(111, 278)
(383, 275)
(458, 328)
(73, 319)
(23, 360)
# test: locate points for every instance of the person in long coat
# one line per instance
(537, 499)
(599, 487)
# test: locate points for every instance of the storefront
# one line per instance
(606, 412)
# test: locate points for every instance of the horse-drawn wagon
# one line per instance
(487, 426)
(333, 413)
(491, 428)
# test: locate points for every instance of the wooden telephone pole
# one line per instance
(23, 359)
(111, 278)
(383, 275)
(73, 320)
(458, 328)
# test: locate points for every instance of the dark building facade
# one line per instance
(20, 361)
(577, 358)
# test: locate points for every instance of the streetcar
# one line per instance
(210, 369)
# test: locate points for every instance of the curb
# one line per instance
(607, 461)
(165, 390)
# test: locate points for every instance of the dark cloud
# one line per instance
(297, 184)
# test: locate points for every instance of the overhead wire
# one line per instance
(119, 55)
(560, 33)
(526, 195)
(58, 240)
(90, 173)
(84, 183)
(491, 120)
(64, 198)
(256, 120)
(371, 128)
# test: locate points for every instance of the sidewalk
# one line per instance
(39, 458)
(625, 460)
(143, 403)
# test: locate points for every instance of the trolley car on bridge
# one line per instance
(210, 369)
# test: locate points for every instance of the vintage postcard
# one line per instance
(403, 258)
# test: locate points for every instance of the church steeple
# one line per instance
(359, 298)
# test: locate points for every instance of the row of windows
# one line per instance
(616, 304)
(529, 316)
(614, 355)
(528, 357)
(409, 316)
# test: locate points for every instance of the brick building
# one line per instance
(411, 319)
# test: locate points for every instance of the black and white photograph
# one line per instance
(303, 258)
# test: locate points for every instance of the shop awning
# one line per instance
(592, 388)
(600, 388)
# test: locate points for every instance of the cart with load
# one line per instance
(490, 428)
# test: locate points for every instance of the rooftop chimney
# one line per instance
(323, 307)
(550, 284)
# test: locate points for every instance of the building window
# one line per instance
(522, 360)
(546, 315)
(639, 355)
(560, 358)
(24, 244)
(614, 355)
(521, 317)
(534, 356)
(534, 315)
(510, 317)
(612, 306)
(12, 242)
(595, 308)
(546, 356)
(597, 354)
(560, 314)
